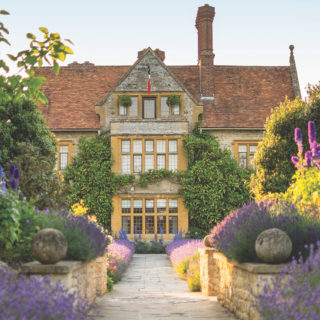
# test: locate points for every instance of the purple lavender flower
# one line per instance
(16, 173)
(13, 184)
(295, 293)
(37, 298)
(235, 236)
(183, 249)
(11, 169)
(121, 249)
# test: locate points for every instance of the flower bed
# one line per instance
(37, 298)
(295, 293)
(120, 252)
(183, 254)
(235, 236)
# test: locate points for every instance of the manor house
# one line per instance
(232, 103)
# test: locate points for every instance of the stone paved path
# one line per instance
(151, 290)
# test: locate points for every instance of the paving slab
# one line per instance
(150, 289)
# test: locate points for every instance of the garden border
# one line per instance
(232, 282)
(87, 279)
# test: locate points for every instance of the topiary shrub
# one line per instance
(235, 236)
(274, 169)
(214, 183)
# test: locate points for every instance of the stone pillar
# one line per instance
(204, 21)
(209, 274)
(294, 73)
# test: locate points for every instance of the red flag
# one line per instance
(149, 80)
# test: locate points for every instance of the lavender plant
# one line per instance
(120, 252)
(295, 293)
(37, 299)
(235, 236)
(85, 239)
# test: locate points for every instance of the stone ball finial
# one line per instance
(273, 246)
(206, 241)
(49, 246)
(291, 47)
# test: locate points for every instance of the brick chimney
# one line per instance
(204, 21)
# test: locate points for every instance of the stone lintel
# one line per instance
(150, 127)
(62, 267)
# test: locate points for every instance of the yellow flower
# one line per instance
(78, 209)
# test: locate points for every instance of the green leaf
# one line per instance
(4, 12)
(56, 68)
(31, 36)
(12, 57)
(42, 98)
(68, 50)
(44, 30)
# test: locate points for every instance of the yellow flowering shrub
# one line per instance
(78, 209)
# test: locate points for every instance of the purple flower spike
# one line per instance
(16, 173)
(312, 134)
(308, 158)
(297, 135)
(295, 160)
(13, 184)
(11, 170)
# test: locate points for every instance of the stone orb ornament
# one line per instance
(49, 246)
(273, 246)
(206, 241)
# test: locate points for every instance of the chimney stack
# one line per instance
(204, 21)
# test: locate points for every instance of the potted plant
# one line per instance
(173, 101)
(125, 100)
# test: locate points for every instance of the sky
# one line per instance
(109, 32)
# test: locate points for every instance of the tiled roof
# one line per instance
(74, 92)
(243, 95)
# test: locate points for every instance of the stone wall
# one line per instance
(88, 279)
(227, 138)
(231, 281)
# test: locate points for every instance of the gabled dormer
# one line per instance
(148, 83)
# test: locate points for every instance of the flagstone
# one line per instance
(150, 289)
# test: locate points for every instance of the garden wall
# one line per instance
(231, 281)
(88, 279)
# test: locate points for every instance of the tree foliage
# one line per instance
(89, 177)
(214, 183)
(22, 128)
(274, 169)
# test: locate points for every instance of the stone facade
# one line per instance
(228, 137)
(231, 282)
(88, 279)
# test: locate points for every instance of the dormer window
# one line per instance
(122, 110)
(175, 110)
(149, 108)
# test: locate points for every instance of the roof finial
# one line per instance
(294, 74)
(291, 47)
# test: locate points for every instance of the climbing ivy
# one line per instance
(211, 187)
(214, 184)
